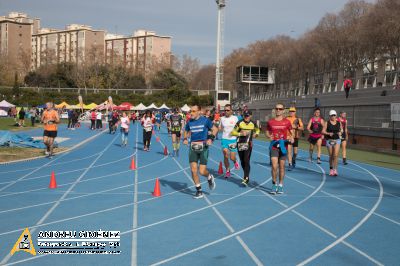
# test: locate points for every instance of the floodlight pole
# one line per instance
(218, 65)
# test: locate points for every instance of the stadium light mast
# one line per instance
(219, 72)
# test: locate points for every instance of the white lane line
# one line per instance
(220, 216)
(358, 225)
(247, 228)
(91, 194)
(319, 226)
(64, 162)
(135, 206)
(6, 258)
(82, 181)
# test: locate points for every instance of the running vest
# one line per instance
(176, 122)
(51, 117)
(316, 127)
(335, 129)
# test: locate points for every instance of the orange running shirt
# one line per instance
(48, 116)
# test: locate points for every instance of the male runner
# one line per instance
(198, 126)
(279, 130)
(50, 119)
(297, 126)
(176, 122)
(228, 141)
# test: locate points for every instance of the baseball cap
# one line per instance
(332, 112)
(292, 109)
(247, 113)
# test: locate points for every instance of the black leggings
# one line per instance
(245, 161)
(146, 138)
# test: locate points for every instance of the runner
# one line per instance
(124, 129)
(93, 120)
(50, 119)
(216, 120)
(114, 121)
(279, 131)
(158, 120)
(345, 135)
(176, 123)
(314, 127)
(147, 123)
(245, 130)
(333, 132)
(297, 126)
(198, 127)
(168, 118)
(228, 142)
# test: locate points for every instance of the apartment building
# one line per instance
(16, 30)
(139, 52)
(76, 44)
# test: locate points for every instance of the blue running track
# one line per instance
(352, 219)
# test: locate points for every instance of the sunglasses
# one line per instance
(227, 110)
(279, 109)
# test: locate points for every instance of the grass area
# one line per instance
(17, 153)
(8, 123)
(374, 158)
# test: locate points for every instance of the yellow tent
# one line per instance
(62, 105)
(90, 106)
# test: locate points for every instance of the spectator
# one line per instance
(70, 117)
(93, 120)
(317, 103)
(99, 124)
(32, 112)
(21, 116)
(347, 84)
(74, 119)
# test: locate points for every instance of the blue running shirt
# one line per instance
(199, 128)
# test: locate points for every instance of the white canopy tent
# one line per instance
(185, 108)
(5, 104)
(140, 107)
(163, 107)
(152, 106)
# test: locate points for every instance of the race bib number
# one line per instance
(175, 123)
(197, 146)
(243, 146)
(148, 129)
(332, 142)
(232, 146)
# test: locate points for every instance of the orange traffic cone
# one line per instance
(158, 139)
(133, 165)
(53, 182)
(157, 191)
(220, 170)
(165, 150)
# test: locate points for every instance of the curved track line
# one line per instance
(247, 228)
(358, 225)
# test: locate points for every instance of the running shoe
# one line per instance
(280, 190)
(145, 148)
(198, 195)
(46, 152)
(245, 181)
(211, 182)
(335, 172)
(228, 174)
(310, 160)
(345, 161)
(290, 167)
(294, 165)
(274, 189)
(318, 160)
(237, 165)
(331, 172)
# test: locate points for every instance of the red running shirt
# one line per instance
(279, 129)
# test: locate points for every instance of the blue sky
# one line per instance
(190, 23)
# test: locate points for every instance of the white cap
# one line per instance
(332, 112)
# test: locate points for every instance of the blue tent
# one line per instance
(8, 139)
